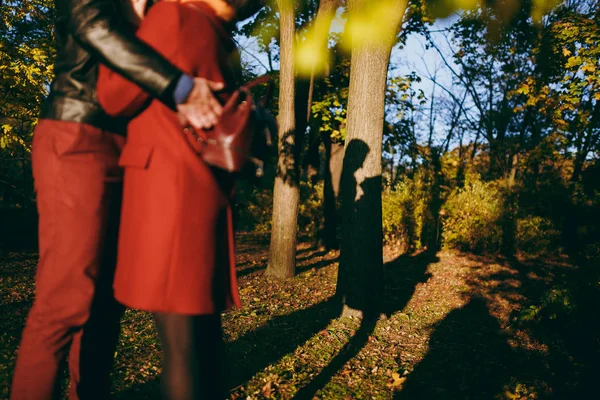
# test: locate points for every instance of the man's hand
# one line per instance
(134, 11)
(201, 110)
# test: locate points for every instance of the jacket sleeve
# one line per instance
(117, 95)
(100, 27)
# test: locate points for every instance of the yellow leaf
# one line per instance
(397, 381)
(573, 61)
(510, 396)
(523, 89)
(267, 389)
(588, 68)
(566, 52)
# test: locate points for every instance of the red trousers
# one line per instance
(78, 187)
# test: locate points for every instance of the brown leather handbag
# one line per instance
(240, 136)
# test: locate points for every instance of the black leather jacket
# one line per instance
(89, 32)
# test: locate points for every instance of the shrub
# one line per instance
(398, 206)
(410, 212)
(254, 209)
(473, 217)
(536, 236)
(310, 214)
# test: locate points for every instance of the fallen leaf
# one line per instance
(267, 389)
(397, 381)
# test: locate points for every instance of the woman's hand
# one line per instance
(201, 109)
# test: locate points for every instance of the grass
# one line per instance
(458, 326)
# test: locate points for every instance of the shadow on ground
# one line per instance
(401, 277)
(473, 354)
(260, 348)
(548, 348)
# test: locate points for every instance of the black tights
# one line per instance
(191, 348)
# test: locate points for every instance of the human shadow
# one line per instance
(555, 343)
(468, 358)
(257, 349)
(557, 307)
(361, 255)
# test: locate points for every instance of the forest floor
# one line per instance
(458, 326)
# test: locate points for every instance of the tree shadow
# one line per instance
(245, 270)
(281, 335)
(260, 348)
(361, 275)
(317, 265)
(401, 276)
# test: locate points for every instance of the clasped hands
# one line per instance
(201, 110)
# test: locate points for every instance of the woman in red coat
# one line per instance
(176, 254)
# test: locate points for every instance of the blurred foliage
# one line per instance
(26, 57)
(537, 236)
(328, 112)
(254, 209)
(26, 61)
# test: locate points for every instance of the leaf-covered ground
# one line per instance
(458, 327)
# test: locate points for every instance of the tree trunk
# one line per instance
(286, 193)
(512, 173)
(361, 258)
(333, 171)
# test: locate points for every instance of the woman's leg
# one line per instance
(191, 356)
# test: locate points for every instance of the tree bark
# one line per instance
(293, 108)
(334, 160)
(286, 193)
(361, 258)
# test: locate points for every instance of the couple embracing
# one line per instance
(129, 74)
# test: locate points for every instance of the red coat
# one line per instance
(176, 236)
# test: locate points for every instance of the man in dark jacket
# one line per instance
(75, 154)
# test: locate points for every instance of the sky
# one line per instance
(412, 57)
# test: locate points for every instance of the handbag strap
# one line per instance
(259, 81)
